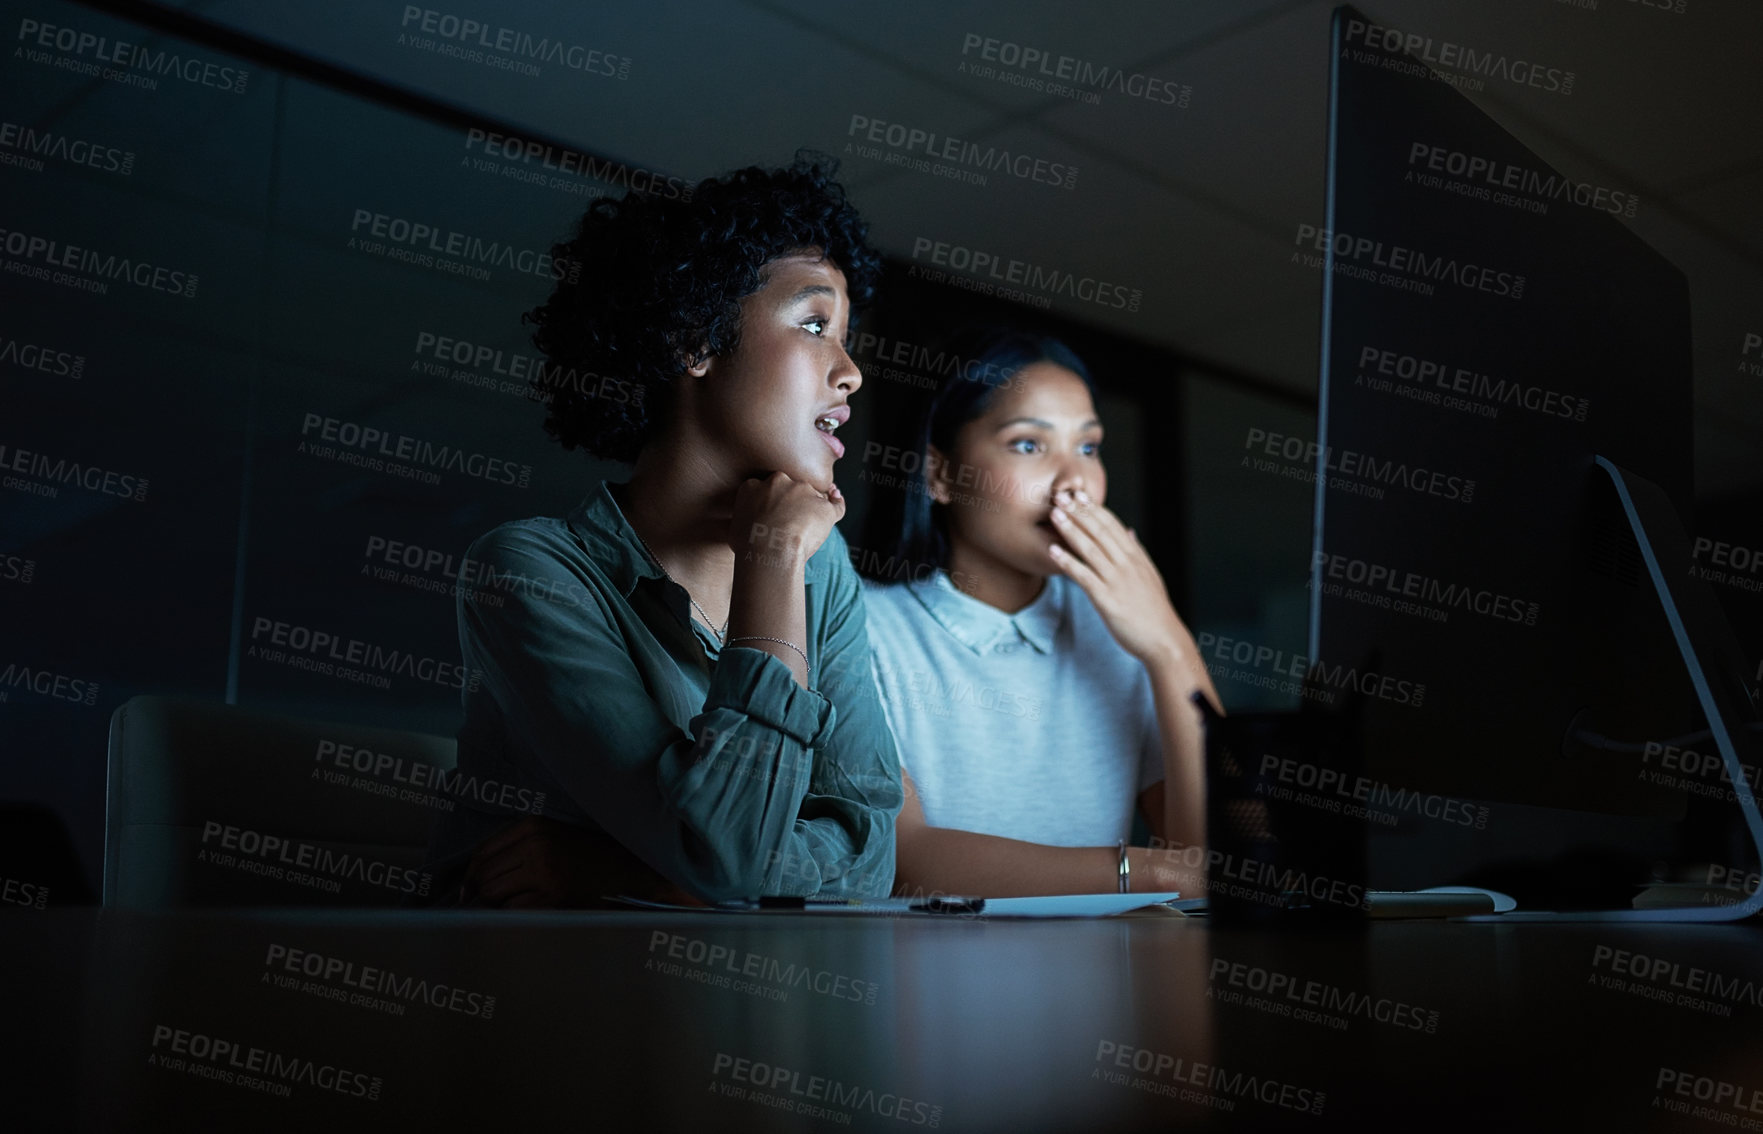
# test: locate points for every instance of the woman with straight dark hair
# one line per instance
(1038, 682)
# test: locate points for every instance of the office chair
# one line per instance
(210, 804)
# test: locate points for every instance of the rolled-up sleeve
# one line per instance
(845, 834)
(768, 790)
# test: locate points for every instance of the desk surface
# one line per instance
(615, 1021)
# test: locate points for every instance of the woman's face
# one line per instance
(1038, 437)
(774, 402)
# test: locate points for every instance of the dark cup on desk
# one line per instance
(1285, 842)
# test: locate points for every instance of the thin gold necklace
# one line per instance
(656, 559)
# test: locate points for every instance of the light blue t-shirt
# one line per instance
(1034, 725)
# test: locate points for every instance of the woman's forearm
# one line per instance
(1173, 685)
(943, 860)
(769, 602)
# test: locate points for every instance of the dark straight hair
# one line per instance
(976, 364)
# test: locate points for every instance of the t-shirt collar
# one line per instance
(983, 628)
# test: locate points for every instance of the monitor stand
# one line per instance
(1696, 619)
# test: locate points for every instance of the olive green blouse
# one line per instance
(594, 686)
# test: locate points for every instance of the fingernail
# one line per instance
(1084, 496)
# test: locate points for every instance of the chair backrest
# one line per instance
(213, 805)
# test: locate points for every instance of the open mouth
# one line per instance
(828, 424)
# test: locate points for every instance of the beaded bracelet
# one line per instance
(779, 641)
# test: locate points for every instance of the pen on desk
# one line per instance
(950, 905)
(796, 902)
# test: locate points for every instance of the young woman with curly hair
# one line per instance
(684, 670)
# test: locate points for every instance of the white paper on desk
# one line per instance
(1075, 905)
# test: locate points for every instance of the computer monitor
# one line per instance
(1491, 328)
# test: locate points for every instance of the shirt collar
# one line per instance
(983, 628)
(601, 525)
(611, 542)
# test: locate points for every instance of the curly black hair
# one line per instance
(659, 289)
